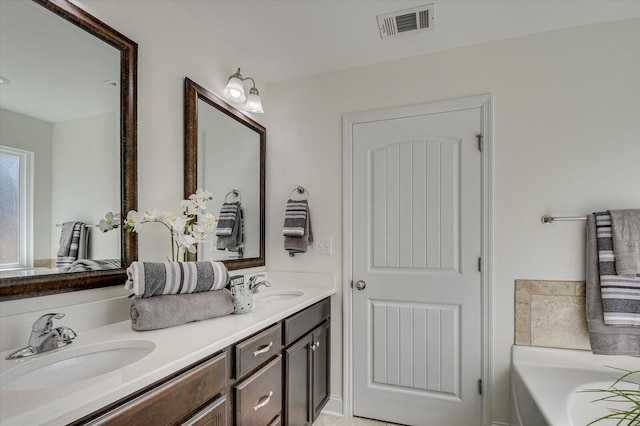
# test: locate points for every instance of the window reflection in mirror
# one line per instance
(62, 108)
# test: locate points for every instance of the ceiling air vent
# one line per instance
(408, 21)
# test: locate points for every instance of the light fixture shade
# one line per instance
(235, 90)
(254, 104)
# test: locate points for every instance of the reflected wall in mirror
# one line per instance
(67, 148)
(225, 154)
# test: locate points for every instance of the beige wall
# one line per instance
(566, 141)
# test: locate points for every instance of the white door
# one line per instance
(416, 208)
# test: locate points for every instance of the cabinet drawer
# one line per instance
(172, 401)
(214, 414)
(258, 399)
(303, 322)
(257, 350)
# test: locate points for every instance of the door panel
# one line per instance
(416, 242)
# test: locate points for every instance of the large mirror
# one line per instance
(67, 149)
(225, 154)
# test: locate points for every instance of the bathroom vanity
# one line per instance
(267, 367)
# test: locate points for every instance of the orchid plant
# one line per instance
(187, 229)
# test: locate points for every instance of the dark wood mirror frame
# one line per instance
(192, 93)
(22, 287)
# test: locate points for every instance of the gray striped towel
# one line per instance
(625, 231)
(235, 240)
(227, 219)
(84, 265)
(73, 244)
(295, 218)
(147, 279)
(620, 294)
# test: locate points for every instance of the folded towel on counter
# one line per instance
(147, 279)
(625, 232)
(604, 339)
(169, 311)
(297, 231)
(620, 294)
(73, 244)
(83, 265)
(233, 241)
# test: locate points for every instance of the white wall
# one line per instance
(229, 158)
(85, 180)
(170, 47)
(566, 142)
(30, 134)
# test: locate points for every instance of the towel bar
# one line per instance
(233, 192)
(550, 219)
(300, 189)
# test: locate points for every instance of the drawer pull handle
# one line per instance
(264, 402)
(315, 346)
(264, 349)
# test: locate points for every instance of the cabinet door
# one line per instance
(320, 367)
(298, 383)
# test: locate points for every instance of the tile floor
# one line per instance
(325, 420)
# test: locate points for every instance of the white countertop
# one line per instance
(175, 348)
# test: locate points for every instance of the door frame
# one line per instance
(348, 121)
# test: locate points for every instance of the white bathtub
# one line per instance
(546, 385)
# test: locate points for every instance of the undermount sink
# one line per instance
(72, 364)
(278, 295)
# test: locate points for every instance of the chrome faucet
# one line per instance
(44, 337)
(254, 284)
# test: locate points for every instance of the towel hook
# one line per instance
(301, 190)
(233, 192)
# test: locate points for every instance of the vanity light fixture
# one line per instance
(4, 80)
(234, 91)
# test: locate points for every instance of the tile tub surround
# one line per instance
(551, 314)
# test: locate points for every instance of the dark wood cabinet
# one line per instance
(307, 368)
(175, 401)
(320, 362)
(278, 376)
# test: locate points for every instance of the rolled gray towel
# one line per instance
(148, 279)
(169, 311)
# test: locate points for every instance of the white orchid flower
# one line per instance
(111, 221)
(176, 224)
(188, 242)
(134, 220)
(187, 230)
(152, 215)
(207, 221)
(189, 207)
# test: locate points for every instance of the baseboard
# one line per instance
(334, 407)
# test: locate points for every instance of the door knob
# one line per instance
(360, 285)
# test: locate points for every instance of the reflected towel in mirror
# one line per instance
(73, 244)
